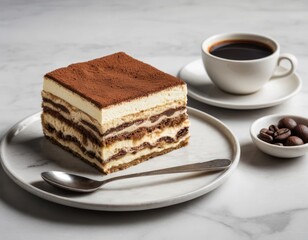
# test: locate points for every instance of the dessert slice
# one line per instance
(114, 111)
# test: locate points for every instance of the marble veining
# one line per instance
(266, 198)
(253, 227)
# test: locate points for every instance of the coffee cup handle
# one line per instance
(293, 61)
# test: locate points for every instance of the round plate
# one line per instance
(202, 89)
(26, 153)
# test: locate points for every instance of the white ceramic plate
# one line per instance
(26, 153)
(202, 89)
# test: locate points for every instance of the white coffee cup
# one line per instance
(244, 76)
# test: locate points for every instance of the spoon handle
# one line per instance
(209, 166)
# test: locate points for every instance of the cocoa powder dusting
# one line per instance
(113, 79)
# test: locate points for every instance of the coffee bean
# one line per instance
(267, 131)
(301, 131)
(273, 128)
(294, 141)
(265, 137)
(287, 133)
(282, 134)
(287, 122)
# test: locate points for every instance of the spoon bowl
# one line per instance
(70, 181)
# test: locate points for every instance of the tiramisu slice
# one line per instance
(115, 111)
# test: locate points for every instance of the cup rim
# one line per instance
(227, 36)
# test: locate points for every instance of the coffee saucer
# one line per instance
(202, 89)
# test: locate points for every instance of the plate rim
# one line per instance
(227, 105)
(124, 207)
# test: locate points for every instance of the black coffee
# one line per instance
(240, 50)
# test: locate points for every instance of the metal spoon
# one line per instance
(77, 183)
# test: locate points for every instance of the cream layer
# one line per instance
(146, 151)
(77, 116)
(107, 152)
(124, 160)
(146, 123)
(112, 112)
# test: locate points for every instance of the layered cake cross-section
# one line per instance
(114, 111)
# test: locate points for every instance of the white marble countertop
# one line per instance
(266, 198)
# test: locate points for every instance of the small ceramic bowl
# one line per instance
(274, 150)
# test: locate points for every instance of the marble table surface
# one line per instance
(266, 198)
